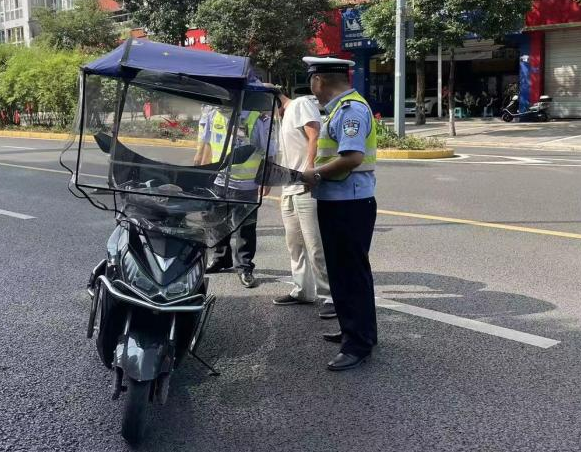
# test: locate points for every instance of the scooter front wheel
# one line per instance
(137, 398)
(507, 117)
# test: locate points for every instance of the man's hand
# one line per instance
(309, 178)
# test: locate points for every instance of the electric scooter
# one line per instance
(538, 112)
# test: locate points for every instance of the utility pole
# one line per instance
(440, 110)
(399, 110)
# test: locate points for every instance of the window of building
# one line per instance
(2, 36)
(13, 9)
(15, 35)
(66, 4)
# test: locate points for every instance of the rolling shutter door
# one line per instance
(563, 72)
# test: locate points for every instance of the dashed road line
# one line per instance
(20, 216)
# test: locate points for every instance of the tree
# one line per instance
(167, 20)
(448, 22)
(487, 19)
(86, 27)
(379, 24)
(275, 34)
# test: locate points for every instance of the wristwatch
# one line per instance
(317, 177)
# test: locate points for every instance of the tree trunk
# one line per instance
(451, 103)
(420, 91)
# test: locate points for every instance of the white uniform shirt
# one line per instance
(293, 140)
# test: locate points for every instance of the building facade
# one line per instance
(17, 25)
(551, 56)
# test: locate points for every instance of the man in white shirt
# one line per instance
(299, 132)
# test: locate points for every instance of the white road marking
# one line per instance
(561, 139)
(474, 325)
(21, 216)
(18, 147)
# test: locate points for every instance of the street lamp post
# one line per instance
(399, 110)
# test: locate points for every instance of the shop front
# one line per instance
(551, 61)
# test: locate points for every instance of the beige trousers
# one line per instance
(303, 240)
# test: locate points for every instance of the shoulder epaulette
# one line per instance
(346, 104)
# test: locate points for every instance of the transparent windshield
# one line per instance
(188, 163)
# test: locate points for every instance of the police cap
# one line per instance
(327, 65)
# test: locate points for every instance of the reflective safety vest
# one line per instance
(242, 171)
(327, 146)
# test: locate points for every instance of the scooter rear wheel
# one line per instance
(137, 399)
(507, 117)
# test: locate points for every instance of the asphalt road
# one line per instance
(495, 238)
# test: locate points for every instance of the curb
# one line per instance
(409, 154)
(67, 136)
(40, 135)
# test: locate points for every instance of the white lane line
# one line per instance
(21, 216)
(17, 147)
(561, 139)
(474, 325)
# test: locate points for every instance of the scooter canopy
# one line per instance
(228, 71)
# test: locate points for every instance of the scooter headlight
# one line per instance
(181, 287)
(136, 278)
(184, 285)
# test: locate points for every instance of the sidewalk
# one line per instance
(554, 135)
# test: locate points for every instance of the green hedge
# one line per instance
(39, 85)
(388, 139)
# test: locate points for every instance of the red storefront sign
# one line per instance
(553, 12)
(197, 39)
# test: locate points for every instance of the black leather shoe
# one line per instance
(345, 362)
(333, 337)
(247, 279)
(217, 266)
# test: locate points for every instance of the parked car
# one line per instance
(431, 103)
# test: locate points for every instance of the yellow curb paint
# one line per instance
(129, 140)
(409, 154)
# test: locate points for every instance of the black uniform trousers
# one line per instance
(245, 236)
(346, 231)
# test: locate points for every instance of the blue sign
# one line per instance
(352, 37)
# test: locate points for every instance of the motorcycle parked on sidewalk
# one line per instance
(538, 112)
(150, 299)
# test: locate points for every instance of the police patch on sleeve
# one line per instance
(351, 127)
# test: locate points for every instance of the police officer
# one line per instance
(253, 129)
(343, 182)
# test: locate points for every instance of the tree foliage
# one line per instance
(86, 27)
(275, 34)
(40, 86)
(167, 20)
(445, 22)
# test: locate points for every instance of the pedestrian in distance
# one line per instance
(343, 182)
(299, 132)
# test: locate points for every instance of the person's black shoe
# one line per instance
(327, 311)
(217, 266)
(333, 337)
(247, 278)
(345, 362)
(288, 300)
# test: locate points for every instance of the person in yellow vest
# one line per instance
(253, 129)
(343, 182)
(203, 154)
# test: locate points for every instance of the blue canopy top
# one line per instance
(141, 54)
